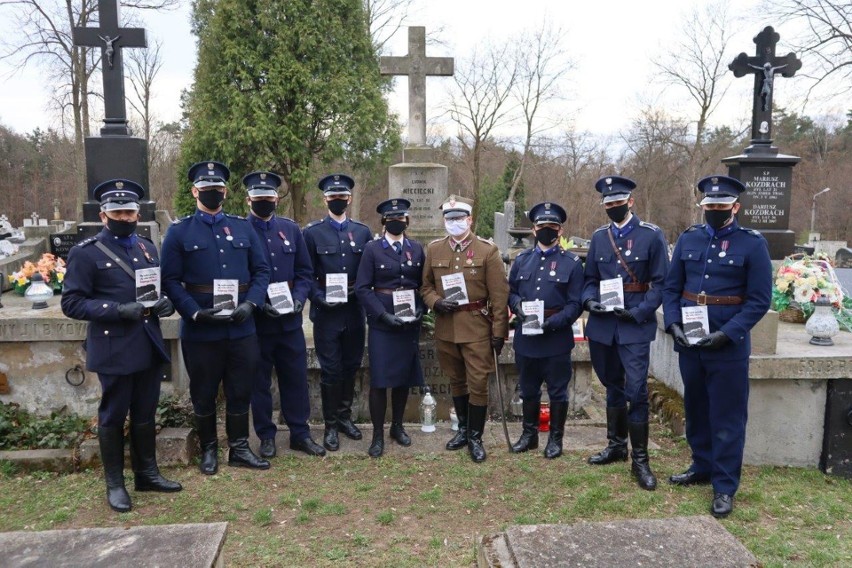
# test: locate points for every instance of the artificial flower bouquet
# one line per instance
(801, 280)
(51, 267)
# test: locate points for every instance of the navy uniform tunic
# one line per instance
(394, 353)
(282, 339)
(620, 350)
(127, 355)
(556, 277)
(731, 262)
(339, 332)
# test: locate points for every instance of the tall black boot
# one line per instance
(558, 413)
(143, 456)
(476, 416)
(641, 469)
(529, 436)
(459, 441)
(112, 456)
(399, 396)
(344, 410)
(378, 407)
(208, 439)
(616, 433)
(240, 455)
(330, 403)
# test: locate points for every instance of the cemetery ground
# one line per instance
(416, 509)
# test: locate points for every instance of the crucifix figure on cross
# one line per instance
(107, 37)
(417, 67)
(763, 66)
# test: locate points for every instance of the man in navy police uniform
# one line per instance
(335, 245)
(634, 252)
(725, 269)
(197, 250)
(545, 272)
(124, 345)
(281, 337)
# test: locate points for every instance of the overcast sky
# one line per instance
(611, 43)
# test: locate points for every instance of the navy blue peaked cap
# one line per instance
(208, 174)
(614, 188)
(119, 194)
(547, 212)
(336, 184)
(262, 184)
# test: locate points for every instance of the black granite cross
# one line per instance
(111, 39)
(417, 66)
(764, 65)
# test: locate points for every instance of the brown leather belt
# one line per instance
(636, 287)
(206, 289)
(705, 300)
(551, 312)
(473, 306)
(390, 290)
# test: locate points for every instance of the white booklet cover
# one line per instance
(534, 311)
(455, 289)
(148, 286)
(403, 304)
(612, 293)
(696, 323)
(225, 295)
(280, 297)
(336, 288)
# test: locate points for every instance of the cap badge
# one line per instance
(714, 181)
(336, 178)
(608, 181)
(210, 166)
(262, 176)
(119, 185)
(715, 188)
(393, 202)
(547, 206)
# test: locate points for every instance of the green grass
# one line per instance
(416, 510)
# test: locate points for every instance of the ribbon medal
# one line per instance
(553, 268)
(145, 252)
(284, 238)
(725, 245)
(408, 256)
(351, 239)
(469, 256)
(228, 236)
(629, 246)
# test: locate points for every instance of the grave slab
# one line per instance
(675, 542)
(188, 546)
(61, 461)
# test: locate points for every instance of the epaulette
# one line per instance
(232, 216)
(353, 221)
(694, 227)
(438, 240)
(181, 220)
(573, 256)
(487, 241)
(525, 251)
(285, 218)
(313, 223)
(647, 225)
(87, 241)
(602, 228)
(754, 232)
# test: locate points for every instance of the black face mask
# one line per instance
(337, 206)
(395, 227)
(618, 213)
(263, 209)
(211, 199)
(121, 228)
(716, 218)
(546, 235)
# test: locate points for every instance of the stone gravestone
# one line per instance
(767, 174)
(418, 178)
(115, 153)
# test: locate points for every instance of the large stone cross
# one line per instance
(417, 66)
(764, 65)
(111, 39)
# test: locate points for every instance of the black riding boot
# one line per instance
(641, 468)
(476, 416)
(344, 410)
(459, 441)
(240, 455)
(331, 395)
(399, 396)
(616, 433)
(112, 456)
(558, 412)
(209, 442)
(143, 456)
(529, 437)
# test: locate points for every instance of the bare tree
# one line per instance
(143, 66)
(540, 66)
(483, 85)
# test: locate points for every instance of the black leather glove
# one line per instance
(242, 312)
(163, 308)
(392, 320)
(676, 331)
(208, 315)
(550, 324)
(443, 306)
(297, 306)
(131, 311)
(715, 340)
(519, 312)
(320, 301)
(594, 307)
(418, 317)
(624, 315)
(270, 311)
(497, 344)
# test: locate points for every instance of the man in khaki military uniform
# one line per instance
(466, 333)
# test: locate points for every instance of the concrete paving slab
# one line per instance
(661, 543)
(61, 461)
(188, 546)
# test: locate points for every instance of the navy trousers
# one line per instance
(555, 371)
(623, 371)
(137, 393)
(339, 343)
(231, 362)
(286, 353)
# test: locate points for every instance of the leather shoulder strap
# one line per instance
(620, 258)
(103, 248)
